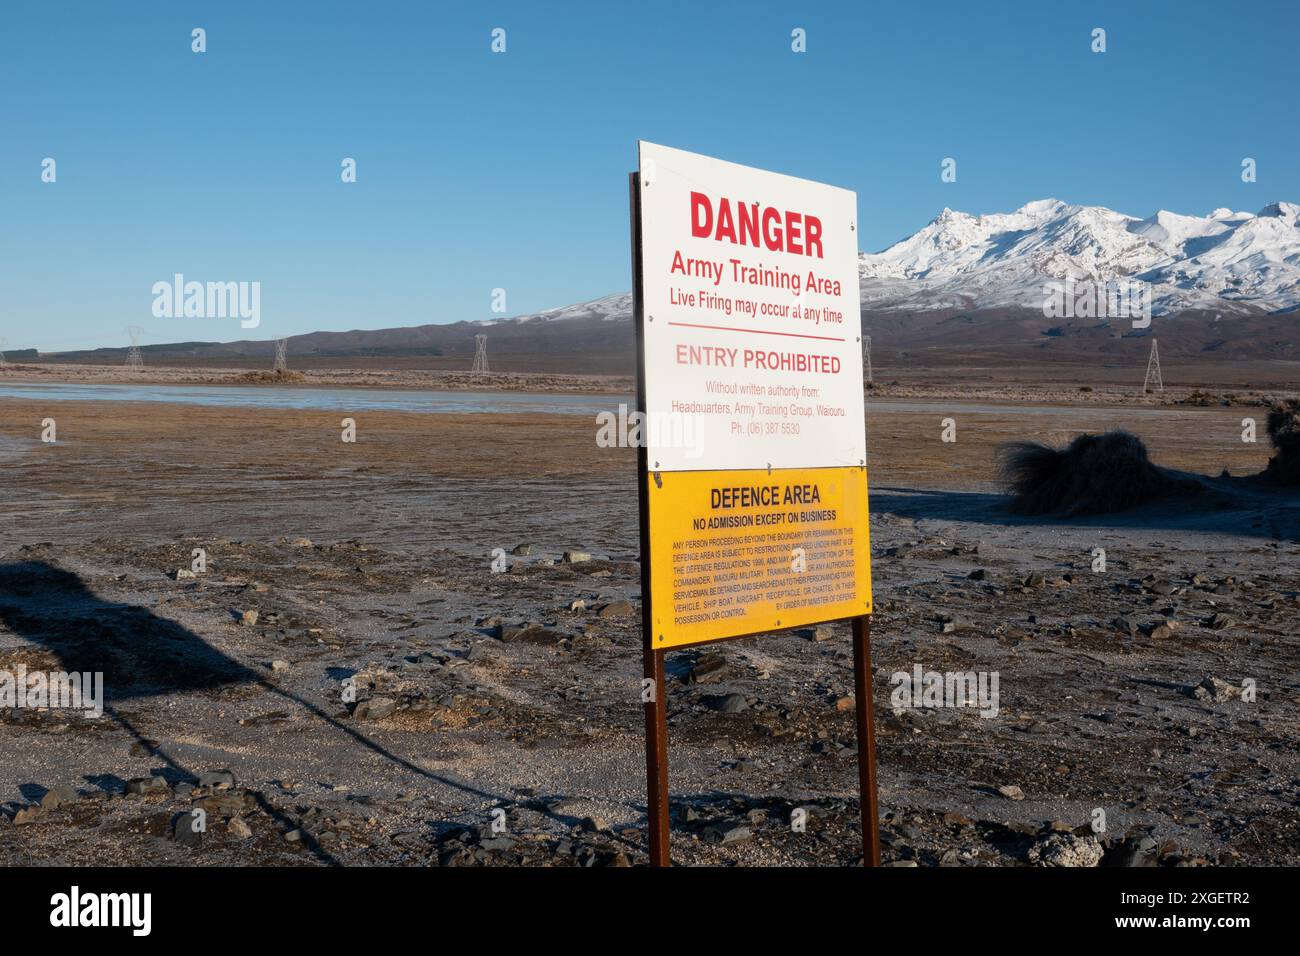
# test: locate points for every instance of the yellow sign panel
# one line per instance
(742, 552)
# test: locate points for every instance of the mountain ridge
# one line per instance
(961, 281)
(1232, 262)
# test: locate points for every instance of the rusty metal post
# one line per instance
(652, 659)
(862, 685)
(656, 759)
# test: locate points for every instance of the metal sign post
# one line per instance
(868, 799)
(652, 660)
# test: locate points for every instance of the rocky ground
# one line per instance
(349, 682)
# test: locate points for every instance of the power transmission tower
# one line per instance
(1153, 371)
(281, 356)
(134, 360)
(3, 342)
(480, 354)
(866, 356)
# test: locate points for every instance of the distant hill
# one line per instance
(962, 289)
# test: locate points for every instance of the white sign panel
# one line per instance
(752, 330)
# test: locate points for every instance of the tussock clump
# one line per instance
(1094, 474)
(1284, 432)
(288, 375)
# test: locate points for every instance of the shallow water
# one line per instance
(345, 399)
(433, 401)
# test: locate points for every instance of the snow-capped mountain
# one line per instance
(1229, 262)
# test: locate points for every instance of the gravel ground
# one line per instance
(394, 701)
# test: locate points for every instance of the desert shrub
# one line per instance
(1284, 432)
(264, 377)
(1094, 474)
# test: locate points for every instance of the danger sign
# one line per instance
(751, 346)
(754, 463)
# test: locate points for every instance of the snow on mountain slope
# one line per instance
(608, 308)
(1226, 261)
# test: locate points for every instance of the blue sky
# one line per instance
(479, 170)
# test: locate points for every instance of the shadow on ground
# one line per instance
(1237, 506)
(143, 655)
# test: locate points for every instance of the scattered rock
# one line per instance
(725, 834)
(224, 804)
(237, 829)
(186, 830)
(57, 797)
(616, 609)
(725, 703)
(184, 574)
(979, 574)
(1214, 689)
(709, 668)
(1162, 631)
(1011, 792)
(279, 667)
(27, 815)
(217, 779)
(529, 632)
(1134, 851)
(302, 542)
(846, 703)
(520, 550)
(1125, 626)
(374, 708)
(142, 785)
(1066, 849)
(575, 557)
(248, 618)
